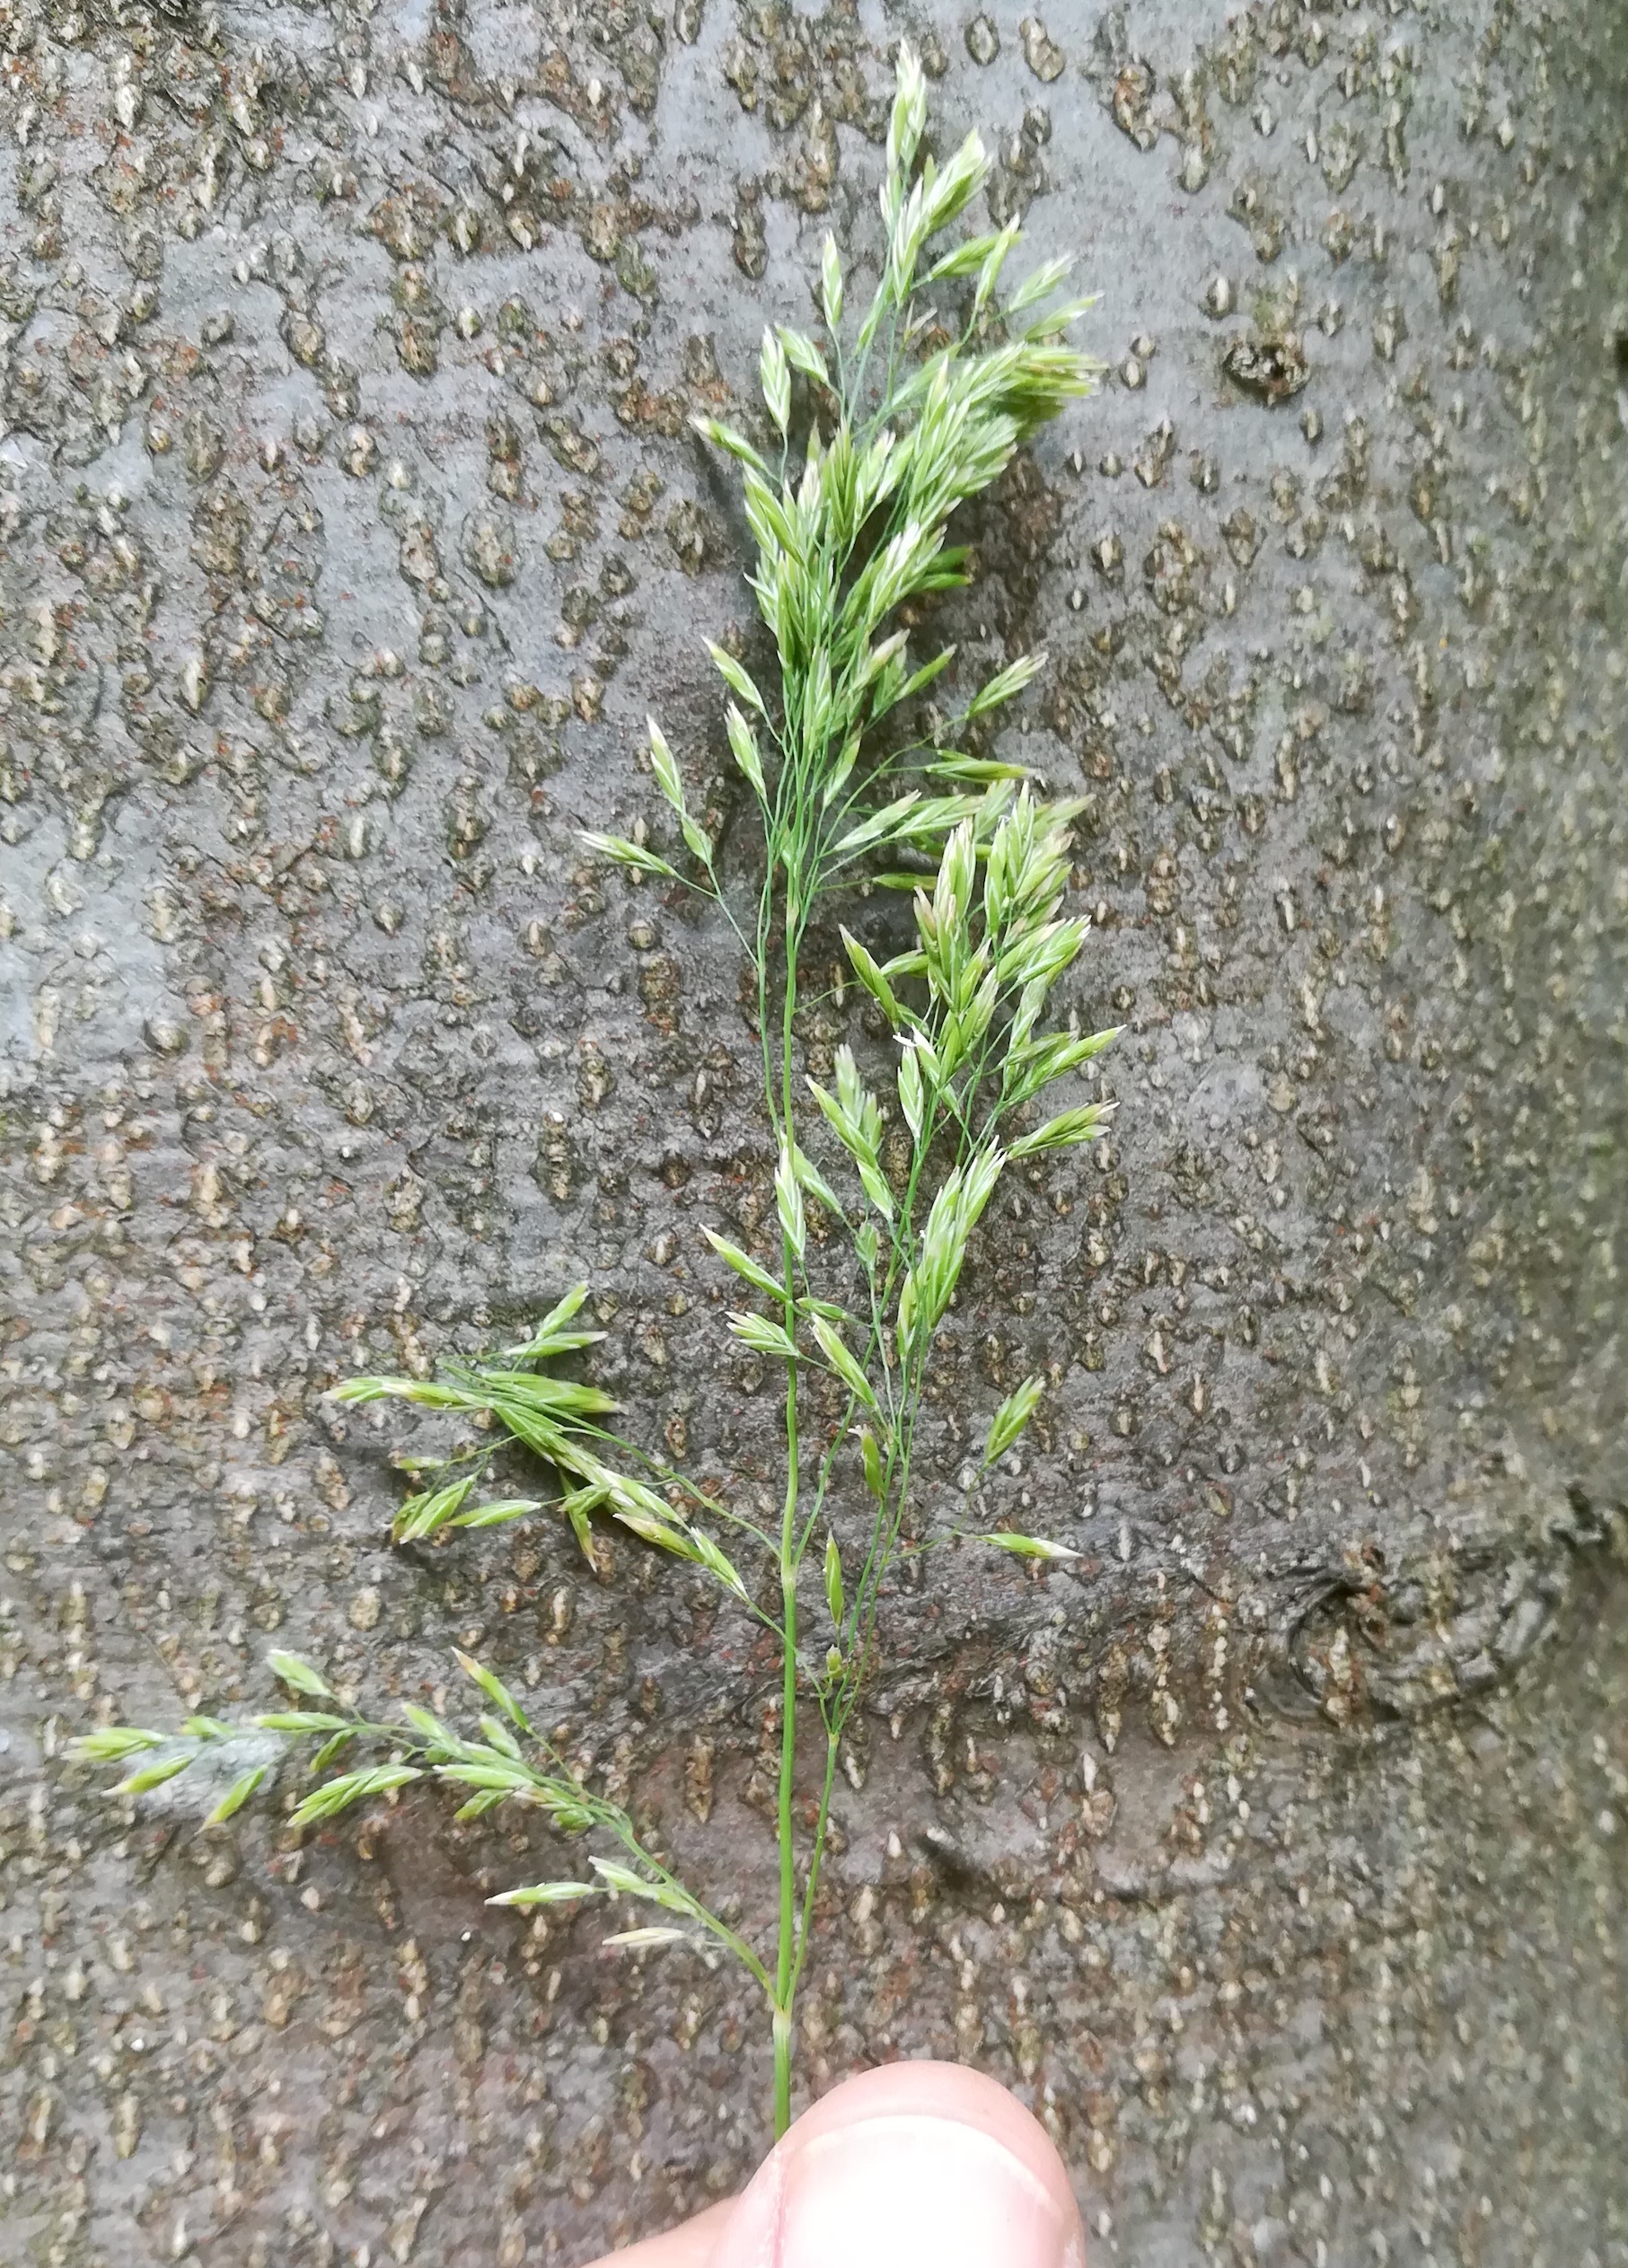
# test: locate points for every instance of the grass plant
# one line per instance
(872, 437)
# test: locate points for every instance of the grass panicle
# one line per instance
(870, 439)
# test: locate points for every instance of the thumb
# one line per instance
(912, 2162)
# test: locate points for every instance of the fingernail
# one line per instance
(893, 2190)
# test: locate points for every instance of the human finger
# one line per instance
(911, 2163)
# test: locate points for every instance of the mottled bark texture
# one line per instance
(1276, 1852)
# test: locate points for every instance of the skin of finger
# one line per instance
(690, 2247)
(906, 2104)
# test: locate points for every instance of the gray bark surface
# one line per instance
(1276, 1852)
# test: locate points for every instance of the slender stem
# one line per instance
(832, 1734)
(737, 1945)
(782, 2073)
(785, 1977)
(787, 1947)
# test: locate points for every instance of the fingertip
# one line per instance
(912, 2160)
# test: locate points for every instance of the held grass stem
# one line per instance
(852, 555)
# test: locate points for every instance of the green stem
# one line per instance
(726, 1936)
(832, 1734)
(784, 1984)
(782, 2073)
(785, 1975)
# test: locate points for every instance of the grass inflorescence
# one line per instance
(897, 420)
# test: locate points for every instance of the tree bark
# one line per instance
(1275, 1852)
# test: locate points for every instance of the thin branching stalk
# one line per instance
(867, 447)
